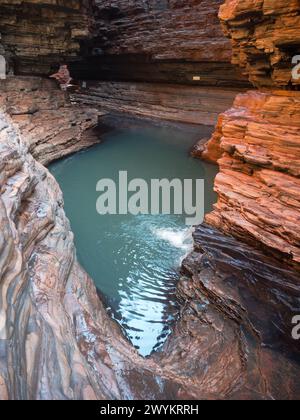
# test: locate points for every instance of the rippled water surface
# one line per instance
(134, 260)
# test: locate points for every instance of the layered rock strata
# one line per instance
(158, 41)
(163, 29)
(257, 142)
(39, 34)
(265, 38)
(234, 336)
(258, 184)
(51, 125)
(154, 41)
(195, 105)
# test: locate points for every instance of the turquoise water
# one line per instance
(134, 260)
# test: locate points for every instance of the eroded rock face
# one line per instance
(265, 37)
(181, 103)
(51, 125)
(164, 29)
(159, 41)
(257, 142)
(39, 34)
(258, 184)
(155, 41)
(233, 339)
(56, 340)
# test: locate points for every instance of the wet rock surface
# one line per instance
(233, 339)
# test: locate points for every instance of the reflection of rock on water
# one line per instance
(2, 67)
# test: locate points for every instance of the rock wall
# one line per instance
(181, 103)
(51, 125)
(265, 37)
(56, 340)
(37, 35)
(159, 41)
(258, 184)
(163, 29)
(257, 141)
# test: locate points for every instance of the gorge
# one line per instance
(238, 290)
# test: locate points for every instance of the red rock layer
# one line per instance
(265, 37)
(257, 142)
(259, 180)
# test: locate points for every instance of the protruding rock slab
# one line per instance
(234, 336)
(180, 103)
(265, 37)
(258, 184)
(51, 125)
(159, 42)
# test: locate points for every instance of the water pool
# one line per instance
(134, 260)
